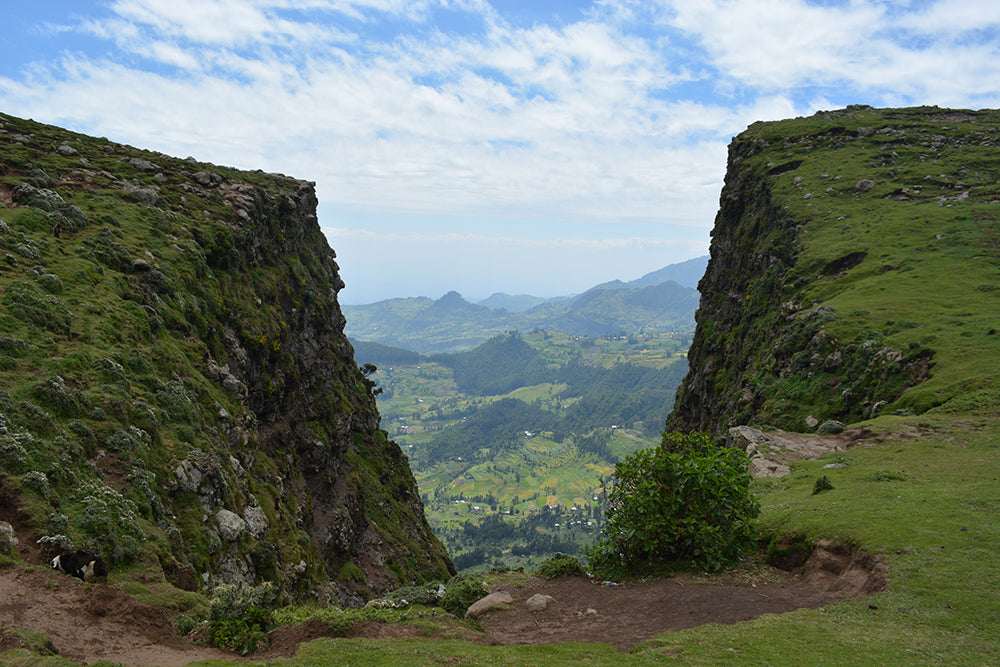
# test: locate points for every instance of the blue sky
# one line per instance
(524, 147)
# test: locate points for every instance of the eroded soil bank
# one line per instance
(87, 623)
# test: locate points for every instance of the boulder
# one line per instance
(231, 525)
(491, 601)
(256, 521)
(8, 543)
(539, 602)
(206, 179)
(143, 165)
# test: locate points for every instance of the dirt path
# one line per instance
(91, 622)
(100, 622)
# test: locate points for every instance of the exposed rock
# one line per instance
(231, 525)
(770, 452)
(203, 476)
(146, 194)
(488, 603)
(143, 165)
(238, 287)
(8, 543)
(762, 353)
(539, 602)
(256, 520)
(206, 179)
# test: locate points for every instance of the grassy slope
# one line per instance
(932, 274)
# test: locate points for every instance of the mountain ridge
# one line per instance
(832, 291)
(451, 323)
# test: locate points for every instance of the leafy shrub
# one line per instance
(54, 544)
(686, 503)
(830, 427)
(241, 616)
(128, 439)
(184, 624)
(25, 302)
(13, 456)
(37, 480)
(560, 565)
(822, 484)
(888, 476)
(461, 592)
(111, 519)
(15, 347)
(50, 282)
(61, 399)
(104, 249)
(407, 596)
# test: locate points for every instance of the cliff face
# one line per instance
(853, 272)
(177, 385)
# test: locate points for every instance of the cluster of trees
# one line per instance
(624, 394)
(531, 536)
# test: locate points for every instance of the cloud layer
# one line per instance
(616, 111)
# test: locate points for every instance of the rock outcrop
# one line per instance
(174, 366)
(820, 299)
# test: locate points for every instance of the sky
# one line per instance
(528, 147)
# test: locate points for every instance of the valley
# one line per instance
(511, 462)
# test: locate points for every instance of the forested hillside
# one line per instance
(511, 442)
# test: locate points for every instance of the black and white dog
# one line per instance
(82, 565)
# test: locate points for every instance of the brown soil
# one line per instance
(628, 614)
(90, 622)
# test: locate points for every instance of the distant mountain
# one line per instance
(452, 324)
(514, 303)
(684, 273)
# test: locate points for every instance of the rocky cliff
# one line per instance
(854, 272)
(176, 386)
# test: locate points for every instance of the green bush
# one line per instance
(822, 484)
(428, 595)
(241, 616)
(461, 592)
(560, 565)
(184, 624)
(686, 503)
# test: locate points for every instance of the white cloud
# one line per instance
(228, 23)
(621, 117)
(946, 19)
(862, 47)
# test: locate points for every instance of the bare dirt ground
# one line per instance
(90, 622)
(628, 614)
